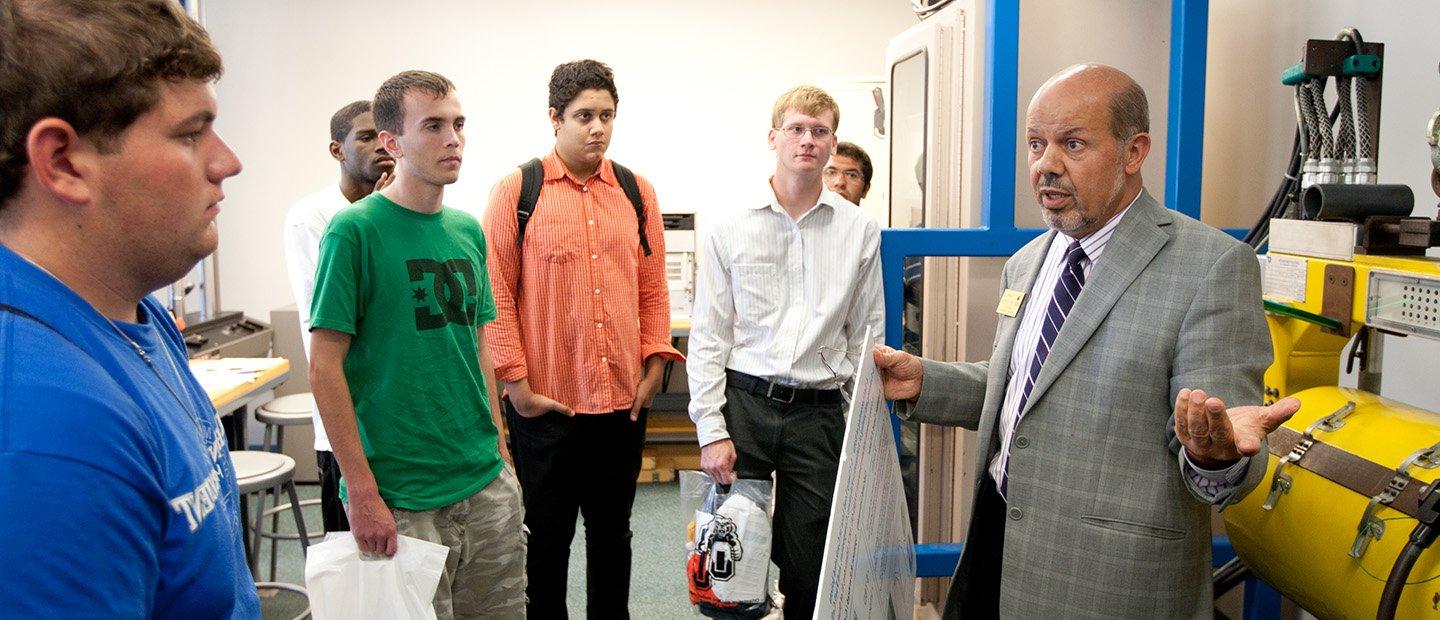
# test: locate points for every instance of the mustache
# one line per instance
(1050, 180)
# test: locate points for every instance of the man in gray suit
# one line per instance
(1096, 501)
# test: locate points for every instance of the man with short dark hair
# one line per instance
(580, 340)
(1099, 461)
(399, 365)
(788, 282)
(117, 494)
(364, 167)
(849, 172)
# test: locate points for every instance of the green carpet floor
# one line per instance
(657, 588)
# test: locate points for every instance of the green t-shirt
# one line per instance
(412, 289)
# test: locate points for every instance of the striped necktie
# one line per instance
(1067, 290)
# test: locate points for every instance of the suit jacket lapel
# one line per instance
(1027, 261)
(1136, 241)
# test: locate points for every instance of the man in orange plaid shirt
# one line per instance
(580, 343)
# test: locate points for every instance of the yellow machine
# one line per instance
(1310, 329)
(1346, 475)
(1344, 520)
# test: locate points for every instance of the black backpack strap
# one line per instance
(532, 176)
(632, 191)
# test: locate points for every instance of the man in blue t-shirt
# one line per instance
(117, 495)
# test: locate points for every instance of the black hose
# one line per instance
(1289, 190)
(1395, 585)
(1427, 514)
(1289, 184)
(1286, 194)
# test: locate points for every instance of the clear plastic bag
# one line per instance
(729, 559)
(342, 584)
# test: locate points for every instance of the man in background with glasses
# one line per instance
(849, 172)
(788, 281)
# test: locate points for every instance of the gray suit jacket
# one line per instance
(1100, 521)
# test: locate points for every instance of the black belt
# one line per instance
(765, 388)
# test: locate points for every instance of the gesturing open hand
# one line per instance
(1215, 437)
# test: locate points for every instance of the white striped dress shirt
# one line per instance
(774, 294)
(1027, 337)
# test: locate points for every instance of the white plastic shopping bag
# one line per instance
(344, 585)
(730, 558)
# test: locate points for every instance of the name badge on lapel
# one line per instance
(1010, 302)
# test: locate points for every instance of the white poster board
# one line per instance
(868, 569)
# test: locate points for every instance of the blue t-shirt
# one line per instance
(117, 496)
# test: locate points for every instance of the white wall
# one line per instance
(696, 83)
(1132, 35)
(1250, 121)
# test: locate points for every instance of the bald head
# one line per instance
(1104, 85)
(1087, 131)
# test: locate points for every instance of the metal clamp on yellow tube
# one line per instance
(1280, 482)
(1372, 527)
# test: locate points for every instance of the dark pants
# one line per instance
(975, 593)
(909, 454)
(801, 443)
(586, 464)
(332, 512)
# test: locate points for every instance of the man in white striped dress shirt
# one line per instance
(787, 285)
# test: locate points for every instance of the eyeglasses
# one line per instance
(853, 176)
(795, 132)
(835, 376)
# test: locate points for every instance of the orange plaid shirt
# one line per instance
(591, 306)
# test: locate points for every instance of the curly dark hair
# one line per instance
(95, 64)
(572, 78)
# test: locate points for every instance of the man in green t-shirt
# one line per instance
(399, 365)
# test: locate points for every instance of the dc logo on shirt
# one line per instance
(452, 288)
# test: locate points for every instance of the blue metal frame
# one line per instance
(997, 234)
(1002, 75)
(1184, 152)
(1262, 602)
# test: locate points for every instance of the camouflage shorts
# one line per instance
(485, 573)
